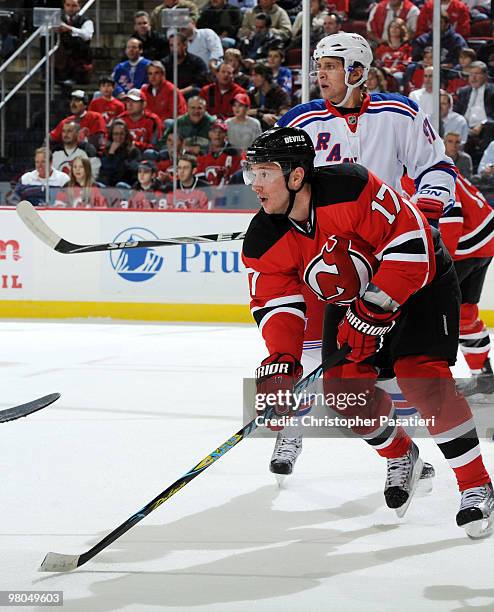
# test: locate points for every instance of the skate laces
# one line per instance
(473, 497)
(398, 471)
(287, 448)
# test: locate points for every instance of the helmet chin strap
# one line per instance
(349, 86)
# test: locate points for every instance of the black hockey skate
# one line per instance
(479, 384)
(402, 477)
(476, 514)
(286, 451)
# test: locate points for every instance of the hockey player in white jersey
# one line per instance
(385, 133)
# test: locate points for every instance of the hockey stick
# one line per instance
(56, 562)
(41, 230)
(17, 412)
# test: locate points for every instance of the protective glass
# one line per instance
(260, 173)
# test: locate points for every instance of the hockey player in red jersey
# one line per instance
(468, 233)
(467, 230)
(359, 246)
(383, 132)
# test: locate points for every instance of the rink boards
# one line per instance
(193, 282)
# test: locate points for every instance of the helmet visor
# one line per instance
(262, 173)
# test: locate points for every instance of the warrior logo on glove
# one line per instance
(340, 272)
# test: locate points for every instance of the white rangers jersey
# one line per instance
(388, 133)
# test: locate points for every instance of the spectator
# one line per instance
(451, 44)
(131, 74)
(156, 23)
(331, 24)
(222, 160)
(458, 76)
(281, 74)
(219, 95)
(8, 43)
(459, 17)
(423, 96)
(154, 44)
(452, 122)
(191, 191)
(81, 191)
(414, 74)
(120, 157)
(38, 175)
(234, 58)
(463, 161)
(376, 81)
(386, 11)
(194, 126)
(144, 127)
(476, 103)
(92, 125)
(73, 58)
(395, 54)
(71, 149)
(486, 165)
(257, 46)
(192, 72)
(147, 191)
(158, 94)
(106, 105)
(204, 43)
(268, 100)
(31, 185)
(222, 17)
(318, 14)
(280, 22)
(167, 155)
(465, 59)
(242, 129)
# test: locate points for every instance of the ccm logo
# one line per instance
(272, 368)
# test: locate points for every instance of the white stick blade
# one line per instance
(35, 223)
(55, 562)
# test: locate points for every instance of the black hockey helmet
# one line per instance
(289, 147)
(282, 144)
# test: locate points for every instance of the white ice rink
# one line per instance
(141, 404)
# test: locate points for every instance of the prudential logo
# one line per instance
(136, 265)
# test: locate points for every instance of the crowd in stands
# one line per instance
(238, 72)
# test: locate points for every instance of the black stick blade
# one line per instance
(17, 412)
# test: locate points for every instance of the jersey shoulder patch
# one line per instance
(263, 233)
(338, 183)
(394, 97)
(315, 106)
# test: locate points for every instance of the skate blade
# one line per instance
(55, 562)
(280, 480)
(480, 529)
(417, 471)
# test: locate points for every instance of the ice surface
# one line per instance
(141, 404)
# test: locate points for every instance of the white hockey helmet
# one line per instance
(350, 48)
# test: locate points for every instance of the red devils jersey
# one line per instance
(90, 124)
(358, 229)
(108, 109)
(218, 169)
(145, 131)
(467, 229)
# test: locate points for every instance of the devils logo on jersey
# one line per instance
(339, 273)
